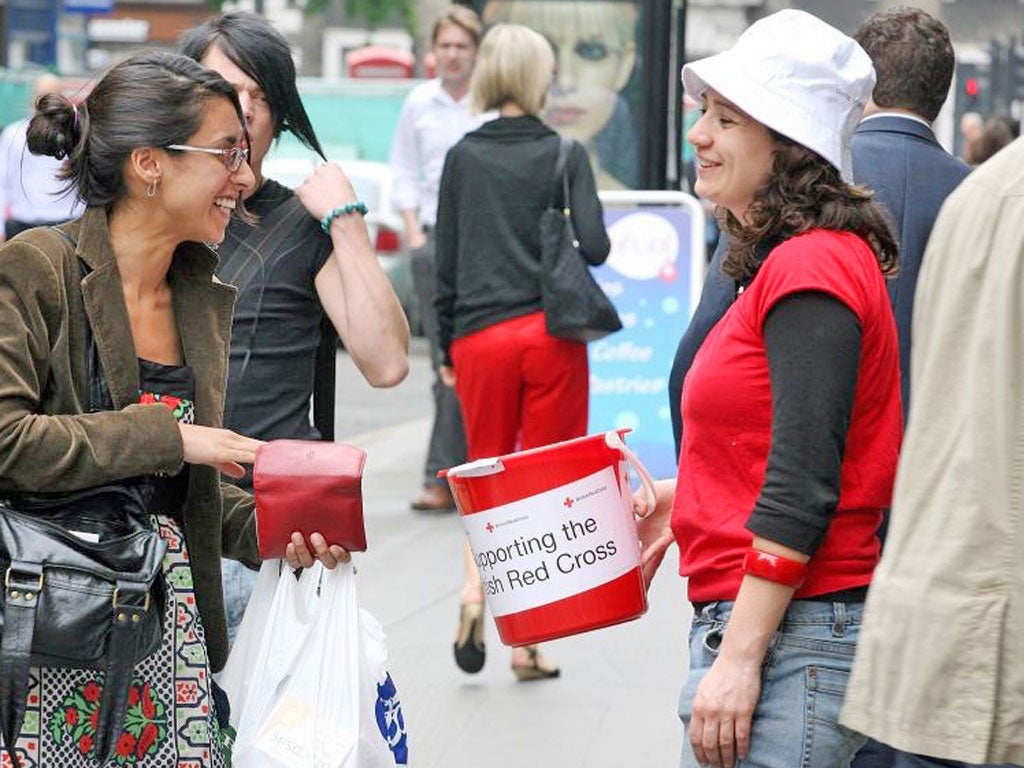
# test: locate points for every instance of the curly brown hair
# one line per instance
(804, 192)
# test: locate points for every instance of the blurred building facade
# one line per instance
(80, 37)
(62, 33)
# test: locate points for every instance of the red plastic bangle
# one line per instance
(775, 568)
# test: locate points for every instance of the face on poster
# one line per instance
(596, 92)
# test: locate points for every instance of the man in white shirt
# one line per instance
(435, 116)
(30, 192)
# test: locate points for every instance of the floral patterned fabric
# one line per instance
(171, 719)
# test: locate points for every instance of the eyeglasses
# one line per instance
(232, 156)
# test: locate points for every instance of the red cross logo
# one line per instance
(490, 528)
(568, 502)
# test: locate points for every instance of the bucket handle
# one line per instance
(614, 440)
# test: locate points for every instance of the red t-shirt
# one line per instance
(727, 418)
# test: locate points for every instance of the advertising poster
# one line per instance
(653, 276)
(596, 96)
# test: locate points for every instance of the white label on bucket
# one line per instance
(553, 545)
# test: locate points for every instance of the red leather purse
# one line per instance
(310, 487)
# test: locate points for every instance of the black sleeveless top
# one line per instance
(175, 387)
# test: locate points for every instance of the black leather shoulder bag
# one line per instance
(82, 587)
(575, 307)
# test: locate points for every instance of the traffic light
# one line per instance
(969, 87)
(972, 92)
(1014, 72)
(998, 76)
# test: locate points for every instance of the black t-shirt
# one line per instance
(276, 325)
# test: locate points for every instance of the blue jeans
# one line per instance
(803, 682)
(238, 583)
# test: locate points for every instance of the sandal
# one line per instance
(526, 673)
(469, 644)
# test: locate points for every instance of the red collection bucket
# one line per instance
(553, 536)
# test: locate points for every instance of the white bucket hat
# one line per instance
(797, 75)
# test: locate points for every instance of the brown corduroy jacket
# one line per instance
(48, 439)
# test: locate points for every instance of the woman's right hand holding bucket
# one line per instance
(654, 526)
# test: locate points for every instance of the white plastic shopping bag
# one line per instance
(236, 677)
(379, 694)
(317, 692)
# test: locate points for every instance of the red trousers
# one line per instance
(519, 387)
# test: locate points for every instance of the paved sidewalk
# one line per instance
(613, 707)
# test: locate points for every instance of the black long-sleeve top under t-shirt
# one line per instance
(812, 341)
(496, 183)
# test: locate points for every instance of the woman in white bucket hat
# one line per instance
(791, 410)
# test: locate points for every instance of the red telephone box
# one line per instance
(378, 61)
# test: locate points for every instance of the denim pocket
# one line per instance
(827, 744)
(843, 651)
(825, 680)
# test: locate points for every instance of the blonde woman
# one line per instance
(519, 387)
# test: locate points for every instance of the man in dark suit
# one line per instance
(895, 153)
(894, 149)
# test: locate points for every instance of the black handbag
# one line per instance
(82, 589)
(575, 307)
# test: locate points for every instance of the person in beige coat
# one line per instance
(939, 669)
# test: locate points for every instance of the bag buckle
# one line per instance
(117, 591)
(38, 587)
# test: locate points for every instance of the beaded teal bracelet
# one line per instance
(357, 207)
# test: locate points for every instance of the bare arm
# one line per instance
(353, 288)
(414, 235)
(723, 707)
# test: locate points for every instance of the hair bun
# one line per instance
(56, 128)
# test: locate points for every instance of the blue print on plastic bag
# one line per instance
(390, 720)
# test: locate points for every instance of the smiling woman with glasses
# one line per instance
(232, 156)
(135, 389)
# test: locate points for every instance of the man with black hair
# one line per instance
(290, 272)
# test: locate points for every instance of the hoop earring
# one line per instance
(151, 189)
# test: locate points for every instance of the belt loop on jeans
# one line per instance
(839, 622)
(706, 609)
